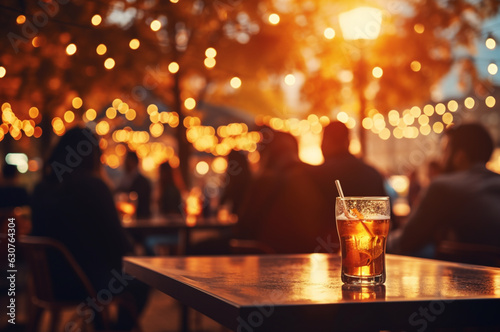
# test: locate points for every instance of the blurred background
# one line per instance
(187, 81)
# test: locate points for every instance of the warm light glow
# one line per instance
(425, 130)
(210, 52)
(21, 19)
(289, 79)
(111, 113)
(438, 127)
(109, 63)
(102, 128)
(447, 118)
(155, 25)
(219, 165)
(329, 33)
(423, 120)
(490, 101)
(173, 67)
(235, 82)
(101, 49)
(36, 42)
(452, 105)
(3, 71)
(492, 69)
(428, 110)
(156, 129)
(69, 116)
(367, 123)
(152, 108)
(96, 20)
(440, 109)
(189, 103)
(361, 23)
(33, 112)
(134, 44)
(377, 72)
(274, 19)
(342, 117)
(385, 134)
(419, 28)
(77, 102)
(202, 168)
(469, 102)
(355, 146)
(209, 62)
(490, 43)
(130, 114)
(71, 49)
(415, 66)
(90, 114)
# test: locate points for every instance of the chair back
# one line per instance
(469, 253)
(37, 251)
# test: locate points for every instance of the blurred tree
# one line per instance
(257, 41)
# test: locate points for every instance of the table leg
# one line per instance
(184, 318)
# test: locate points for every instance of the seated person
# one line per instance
(461, 205)
(73, 205)
(134, 181)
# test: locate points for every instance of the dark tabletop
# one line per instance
(304, 292)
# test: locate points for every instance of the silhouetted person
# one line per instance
(356, 177)
(134, 181)
(461, 205)
(237, 181)
(414, 187)
(169, 200)
(281, 209)
(11, 193)
(73, 205)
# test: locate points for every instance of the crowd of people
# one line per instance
(286, 205)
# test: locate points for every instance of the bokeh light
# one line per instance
(274, 19)
(71, 49)
(155, 25)
(96, 20)
(173, 67)
(109, 63)
(134, 44)
(235, 82)
(329, 33)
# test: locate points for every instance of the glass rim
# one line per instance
(364, 198)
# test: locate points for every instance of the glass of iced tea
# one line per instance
(363, 225)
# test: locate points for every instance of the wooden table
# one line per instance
(140, 228)
(305, 293)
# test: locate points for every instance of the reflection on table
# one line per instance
(305, 293)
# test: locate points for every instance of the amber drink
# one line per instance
(363, 225)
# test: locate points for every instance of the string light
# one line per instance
(155, 25)
(492, 68)
(235, 82)
(377, 72)
(101, 49)
(490, 43)
(71, 49)
(274, 19)
(134, 44)
(173, 67)
(329, 33)
(3, 71)
(109, 63)
(96, 20)
(290, 79)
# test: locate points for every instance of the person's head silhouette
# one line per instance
(335, 139)
(465, 146)
(131, 162)
(77, 152)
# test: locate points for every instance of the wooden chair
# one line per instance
(36, 250)
(469, 253)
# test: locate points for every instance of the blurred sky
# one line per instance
(482, 58)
